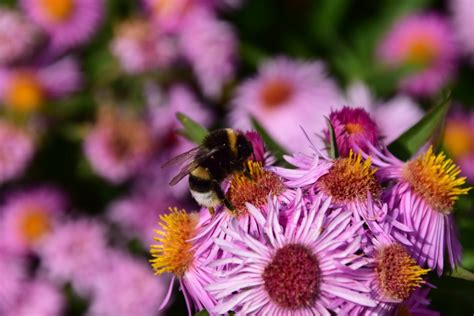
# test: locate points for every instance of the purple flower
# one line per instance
(140, 48)
(68, 23)
(27, 89)
(13, 273)
(424, 42)
(353, 128)
(425, 191)
(29, 216)
(16, 150)
(118, 145)
(291, 269)
(210, 46)
(19, 36)
(286, 93)
(417, 304)
(462, 15)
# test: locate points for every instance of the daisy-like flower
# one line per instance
(29, 216)
(462, 15)
(68, 23)
(75, 252)
(127, 288)
(118, 145)
(353, 128)
(19, 36)
(459, 140)
(16, 150)
(40, 298)
(292, 269)
(393, 117)
(286, 93)
(426, 43)
(210, 46)
(175, 253)
(140, 48)
(27, 89)
(425, 191)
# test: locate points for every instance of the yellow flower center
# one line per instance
(457, 139)
(253, 187)
(422, 51)
(354, 128)
(435, 179)
(398, 274)
(25, 94)
(57, 10)
(350, 179)
(276, 92)
(34, 225)
(173, 252)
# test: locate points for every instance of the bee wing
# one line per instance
(182, 158)
(193, 165)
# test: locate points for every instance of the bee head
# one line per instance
(244, 147)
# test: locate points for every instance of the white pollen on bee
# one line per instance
(207, 199)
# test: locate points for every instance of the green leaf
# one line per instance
(191, 129)
(462, 273)
(410, 142)
(202, 313)
(333, 150)
(276, 149)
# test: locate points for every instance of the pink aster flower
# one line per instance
(39, 298)
(393, 117)
(459, 140)
(426, 43)
(353, 128)
(286, 93)
(140, 48)
(19, 36)
(118, 145)
(16, 150)
(75, 252)
(210, 46)
(13, 273)
(292, 269)
(29, 216)
(68, 23)
(126, 288)
(462, 15)
(27, 89)
(425, 190)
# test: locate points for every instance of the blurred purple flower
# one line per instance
(27, 89)
(393, 117)
(38, 298)
(118, 145)
(462, 15)
(68, 23)
(19, 36)
(425, 44)
(140, 48)
(417, 304)
(16, 150)
(12, 279)
(210, 46)
(286, 93)
(295, 269)
(28, 216)
(127, 288)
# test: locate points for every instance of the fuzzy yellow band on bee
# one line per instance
(232, 140)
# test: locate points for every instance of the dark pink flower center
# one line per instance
(292, 278)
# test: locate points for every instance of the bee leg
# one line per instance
(221, 196)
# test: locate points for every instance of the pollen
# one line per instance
(292, 278)
(25, 94)
(276, 92)
(34, 225)
(173, 252)
(350, 179)
(397, 273)
(253, 187)
(57, 10)
(436, 179)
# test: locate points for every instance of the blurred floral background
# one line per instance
(89, 91)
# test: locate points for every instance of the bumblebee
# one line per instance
(221, 153)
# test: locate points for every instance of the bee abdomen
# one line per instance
(203, 192)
